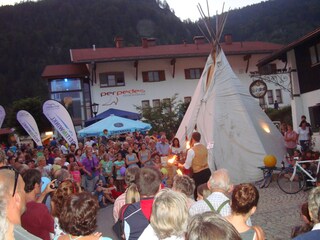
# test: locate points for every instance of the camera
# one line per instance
(55, 185)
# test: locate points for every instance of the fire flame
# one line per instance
(187, 144)
(179, 172)
(171, 160)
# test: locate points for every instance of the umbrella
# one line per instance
(112, 111)
(113, 125)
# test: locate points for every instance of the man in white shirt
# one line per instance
(197, 160)
(63, 147)
(220, 185)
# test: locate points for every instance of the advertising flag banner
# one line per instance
(59, 117)
(29, 124)
(2, 115)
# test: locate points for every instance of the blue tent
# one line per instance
(112, 111)
(113, 125)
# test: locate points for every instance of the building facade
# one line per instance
(302, 58)
(127, 77)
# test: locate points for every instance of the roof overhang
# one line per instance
(100, 55)
(280, 54)
(169, 56)
(66, 70)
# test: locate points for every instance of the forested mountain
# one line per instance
(35, 34)
(279, 21)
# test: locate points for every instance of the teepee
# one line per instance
(237, 133)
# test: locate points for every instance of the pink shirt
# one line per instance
(288, 136)
(76, 176)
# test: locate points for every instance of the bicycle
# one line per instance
(267, 176)
(292, 180)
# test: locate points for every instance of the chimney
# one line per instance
(118, 41)
(199, 40)
(144, 42)
(148, 42)
(93, 47)
(151, 42)
(228, 39)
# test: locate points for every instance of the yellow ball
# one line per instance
(270, 161)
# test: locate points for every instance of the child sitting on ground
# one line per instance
(110, 184)
(103, 193)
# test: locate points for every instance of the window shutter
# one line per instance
(162, 76)
(187, 73)
(145, 77)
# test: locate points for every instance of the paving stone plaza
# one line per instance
(277, 213)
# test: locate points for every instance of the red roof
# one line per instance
(284, 50)
(5, 131)
(67, 70)
(167, 51)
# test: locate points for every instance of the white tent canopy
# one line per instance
(113, 125)
(232, 124)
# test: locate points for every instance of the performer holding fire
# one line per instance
(197, 160)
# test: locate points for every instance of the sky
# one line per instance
(185, 9)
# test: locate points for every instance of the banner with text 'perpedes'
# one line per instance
(29, 124)
(59, 117)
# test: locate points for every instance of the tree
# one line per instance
(34, 107)
(166, 117)
(283, 115)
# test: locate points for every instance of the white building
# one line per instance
(126, 77)
(302, 58)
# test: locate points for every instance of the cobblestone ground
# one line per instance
(278, 212)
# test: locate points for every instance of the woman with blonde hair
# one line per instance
(169, 217)
(132, 194)
(244, 203)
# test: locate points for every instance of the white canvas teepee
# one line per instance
(232, 124)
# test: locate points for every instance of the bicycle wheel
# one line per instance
(288, 186)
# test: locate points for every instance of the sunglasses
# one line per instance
(16, 176)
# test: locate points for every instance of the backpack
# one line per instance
(118, 227)
(219, 208)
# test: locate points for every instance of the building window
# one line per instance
(69, 92)
(193, 73)
(153, 76)
(111, 79)
(156, 103)
(279, 95)
(167, 104)
(315, 54)
(64, 85)
(268, 69)
(187, 99)
(270, 96)
(145, 104)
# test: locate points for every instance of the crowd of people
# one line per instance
(299, 145)
(54, 192)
